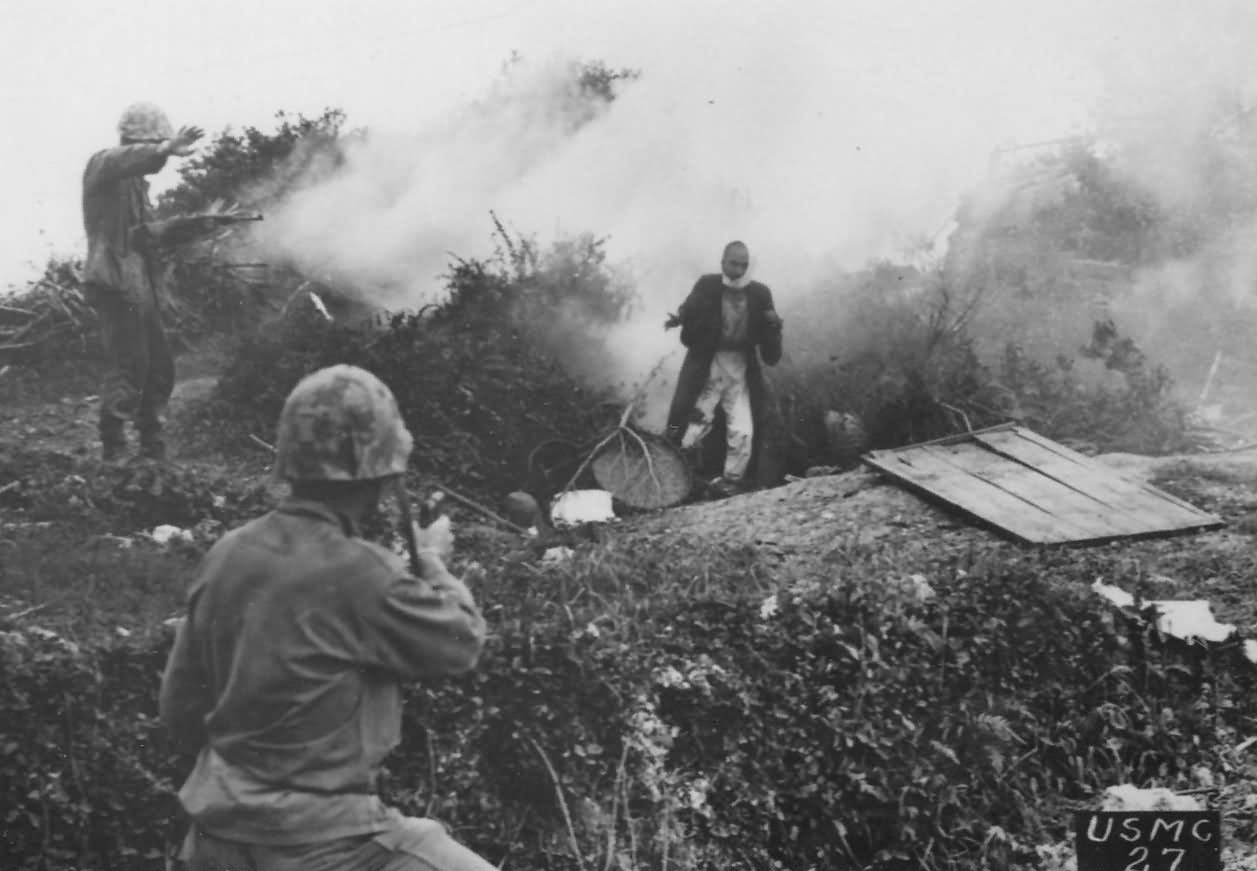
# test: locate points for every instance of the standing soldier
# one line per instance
(120, 279)
(286, 676)
(723, 322)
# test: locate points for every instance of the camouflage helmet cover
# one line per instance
(341, 424)
(144, 121)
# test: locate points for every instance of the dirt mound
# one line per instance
(816, 522)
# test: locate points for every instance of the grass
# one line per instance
(642, 589)
(639, 593)
(83, 582)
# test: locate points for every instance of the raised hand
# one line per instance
(182, 143)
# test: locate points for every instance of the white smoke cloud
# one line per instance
(671, 172)
(824, 135)
(1178, 114)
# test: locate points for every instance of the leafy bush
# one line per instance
(481, 378)
(50, 486)
(650, 699)
(899, 349)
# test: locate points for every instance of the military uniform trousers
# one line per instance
(139, 370)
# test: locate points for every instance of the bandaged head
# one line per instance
(735, 265)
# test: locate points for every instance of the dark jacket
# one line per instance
(701, 324)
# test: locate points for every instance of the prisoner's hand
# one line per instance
(182, 142)
(436, 538)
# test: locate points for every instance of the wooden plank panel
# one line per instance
(1071, 467)
(1037, 490)
(1063, 451)
(976, 497)
(1154, 509)
(1077, 517)
(1091, 481)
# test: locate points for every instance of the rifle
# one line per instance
(185, 228)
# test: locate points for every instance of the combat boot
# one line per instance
(113, 442)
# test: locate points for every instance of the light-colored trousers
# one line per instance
(726, 387)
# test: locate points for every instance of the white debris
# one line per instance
(318, 304)
(1250, 650)
(49, 635)
(768, 607)
(696, 793)
(1189, 620)
(125, 633)
(581, 506)
(921, 587)
(556, 555)
(1184, 619)
(120, 541)
(173, 622)
(1128, 797)
(1116, 595)
(166, 533)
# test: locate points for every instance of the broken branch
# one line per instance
(258, 441)
(476, 506)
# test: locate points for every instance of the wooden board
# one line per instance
(1036, 490)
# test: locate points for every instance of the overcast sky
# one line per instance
(903, 99)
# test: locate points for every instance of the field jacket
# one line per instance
(286, 676)
(115, 200)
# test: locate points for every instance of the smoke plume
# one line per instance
(822, 143)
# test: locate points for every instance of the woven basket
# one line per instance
(657, 477)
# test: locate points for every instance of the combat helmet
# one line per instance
(341, 424)
(144, 122)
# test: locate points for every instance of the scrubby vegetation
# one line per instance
(660, 703)
(657, 701)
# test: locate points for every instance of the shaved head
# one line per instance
(740, 246)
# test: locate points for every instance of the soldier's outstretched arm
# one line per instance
(139, 158)
(124, 161)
